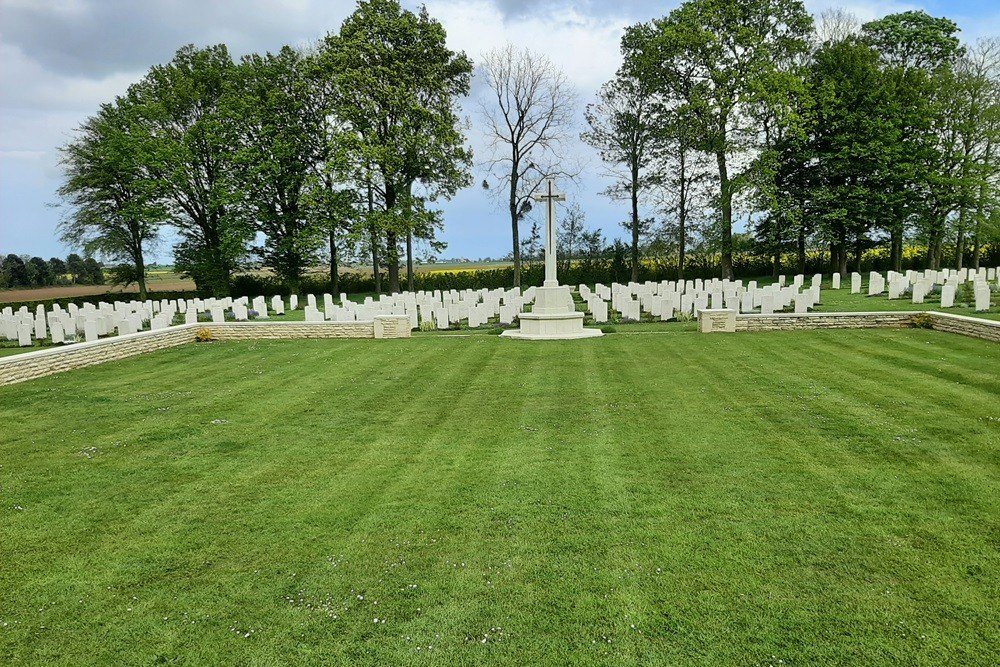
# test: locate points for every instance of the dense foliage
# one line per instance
(742, 137)
(24, 271)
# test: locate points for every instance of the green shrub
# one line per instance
(609, 329)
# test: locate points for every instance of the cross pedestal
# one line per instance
(554, 316)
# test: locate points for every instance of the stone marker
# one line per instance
(24, 334)
(948, 296)
(553, 316)
(982, 298)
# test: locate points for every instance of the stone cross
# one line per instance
(549, 195)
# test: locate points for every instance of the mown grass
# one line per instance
(820, 498)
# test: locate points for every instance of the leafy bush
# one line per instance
(204, 335)
(922, 321)
(609, 329)
(683, 316)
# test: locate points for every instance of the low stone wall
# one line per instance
(283, 330)
(30, 365)
(793, 321)
(966, 326)
(729, 321)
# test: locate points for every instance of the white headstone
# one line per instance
(947, 295)
(24, 334)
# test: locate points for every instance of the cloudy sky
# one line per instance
(59, 59)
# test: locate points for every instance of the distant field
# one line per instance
(159, 281)
(169, 281)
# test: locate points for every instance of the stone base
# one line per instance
(551, 326)
(554, 299)
(553, 317)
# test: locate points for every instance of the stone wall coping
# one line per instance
(25, 357)
(901, 313)
(965, 318)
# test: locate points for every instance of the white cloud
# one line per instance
(586, 47)
(59, 59)
(865, 10)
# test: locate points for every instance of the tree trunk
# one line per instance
(960, 241)
(376, 268)
(801, 249)
(682, 214)
(896, 248)
(635, 222)
(977, 247)
(334, 271)
(512, 206)
(776, 265)
(858, 251)
(409, 259)
(392, 260)
(220, 274)
(842, 250)
(140, 268)
(932, 241)
(726, 204)
(373, 232)
(408, 217)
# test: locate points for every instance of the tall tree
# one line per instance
(76, 267)
(570, 233)
(914, 47)
(395, 88)
(978, 129)
(623, 130)
(982, 127)
(191, 159)
(848, 140)
(275, 125)
(111, 197)
(57, 267)
(528, 112)
(39, 273)
(740, 52)
(14, 272)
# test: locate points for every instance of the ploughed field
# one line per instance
(789, 498)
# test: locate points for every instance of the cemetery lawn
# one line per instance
(791, 498)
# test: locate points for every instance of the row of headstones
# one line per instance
(91, 322)
(439, 308)
(669, 299)
(920, 284)
(74, 323)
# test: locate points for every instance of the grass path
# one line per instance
(810, 498)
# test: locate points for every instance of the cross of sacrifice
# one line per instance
(550, 196)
